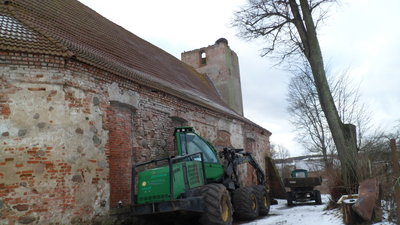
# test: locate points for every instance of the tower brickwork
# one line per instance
(221, 65)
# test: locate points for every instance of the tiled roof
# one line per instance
(16, 36)
(69, 28)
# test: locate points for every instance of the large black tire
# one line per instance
(317, 195)
(217, 205)
(289, 198)
(245, 203)
(262, 199)
(142, 221)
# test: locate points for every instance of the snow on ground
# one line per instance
(304, 214)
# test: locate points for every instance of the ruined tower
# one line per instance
(221, 65)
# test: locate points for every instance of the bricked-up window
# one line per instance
(223, 139)
(203, 57)
(251, 173)
(120, 124)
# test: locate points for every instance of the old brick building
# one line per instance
(82, 99)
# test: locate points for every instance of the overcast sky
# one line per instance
(361, 36)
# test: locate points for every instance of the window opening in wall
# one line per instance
(203, 58)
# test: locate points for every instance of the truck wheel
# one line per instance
(262, 199)
(143, 221)
(245, 203)
(217, 205)
(289, 198)
(317, 195)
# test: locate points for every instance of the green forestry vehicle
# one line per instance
(302, 187)
(197, 183)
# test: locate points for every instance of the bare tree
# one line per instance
(378, 156)
(282, 152)
(375, 145)
(289, 29)
(281, 155)
(307, 115)
(309, 119)
(273, 151)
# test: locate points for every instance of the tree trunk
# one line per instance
(349, 216)
(396, 174)
(342, 137)
(351, 173)
(324, 154)
(327, 162)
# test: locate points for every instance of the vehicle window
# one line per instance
(191, 143)
(301, 174)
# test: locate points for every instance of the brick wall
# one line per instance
(52, 144)
(66, 151)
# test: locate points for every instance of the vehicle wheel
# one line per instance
(273, 201)
(317, 195)
(289, 198)
(217, 205)
(245, 203)
(262, 199)
(142, 221)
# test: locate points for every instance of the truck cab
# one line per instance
(302, 187)
(299, 173)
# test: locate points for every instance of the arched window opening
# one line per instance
(203, 56)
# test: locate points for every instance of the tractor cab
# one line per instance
(195, 165)
(188, 142)
(299, 173)
(196, 182)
